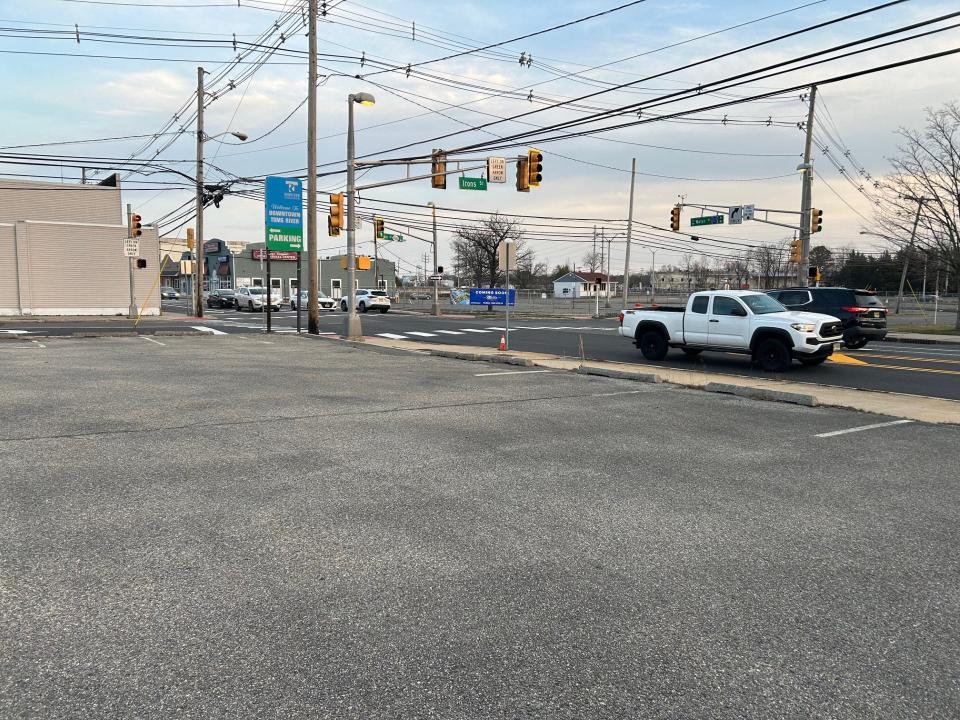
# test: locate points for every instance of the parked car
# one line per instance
(168, 293)
(325, 301)
(737, 321)
(223, 298)
(369, 300)
(255, 298)
(861, 312)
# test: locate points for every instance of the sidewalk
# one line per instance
(922, 338)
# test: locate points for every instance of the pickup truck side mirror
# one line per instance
(738, 312)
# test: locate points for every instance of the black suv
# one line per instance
(863, 315)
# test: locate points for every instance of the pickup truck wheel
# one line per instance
(691, 352)
(810, 362)
(773, 355)
(363, 307)
(855, 343)
(343, 306)
(653, 345)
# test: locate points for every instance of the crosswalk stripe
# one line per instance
(474, 330)
(420, 334)
(202, 328)
(449, 332)
(392, 336)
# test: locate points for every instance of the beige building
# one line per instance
(61, 252)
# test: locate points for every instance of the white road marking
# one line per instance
(392, 336)
(420, 334)
(501, 329)
(449, 332)
(156, 342)
(38, 343)
(863, 427)
(511, 372)
(15, 332)
(474, 330)
(202, 328)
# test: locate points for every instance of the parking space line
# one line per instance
(861, 428)
(155, 342)
(203, 328)
(38, 344)
(511, 372)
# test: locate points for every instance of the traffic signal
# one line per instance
(523, 174)
(813, 272)
(675, 219)
(439, 170)
(190, 239)
(335, 220)
(534, 167)
(439, 269)
(816, 220)
(134, 230)
(378, 228)
(796, 251)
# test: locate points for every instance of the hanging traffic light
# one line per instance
(439, 170)
(534, 167)
(523, 175)
(378, 228)
(816, 220)
(190, 239)
(335, 220)
(135, 230)
(813, 272)
(675, 219)
(796, 251)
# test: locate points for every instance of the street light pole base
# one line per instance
(352, 328)
(435, 309)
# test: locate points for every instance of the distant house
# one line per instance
(583, 284)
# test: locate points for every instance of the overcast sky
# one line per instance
(749, 159)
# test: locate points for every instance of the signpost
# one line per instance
(469, 183)
(507, 260)
(391, 237)
(497, 169)
(735, 214)
(284, 225)
(706, 220)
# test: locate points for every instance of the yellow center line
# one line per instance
(914, 359)
(913, 369)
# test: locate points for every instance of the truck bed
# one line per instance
(662, 308)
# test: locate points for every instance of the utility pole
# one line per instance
(198, 290)
(653, 277)
(626, 262)
(313, 307)
(435, 310)
(609, 259)
(806, 200)
(906, 253)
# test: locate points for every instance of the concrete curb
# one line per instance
(478, 357)
(618, 374)
(756, 393)
(947, 340)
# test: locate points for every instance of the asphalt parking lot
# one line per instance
(233, 526)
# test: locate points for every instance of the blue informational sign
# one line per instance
(284, 214)
(492, 296)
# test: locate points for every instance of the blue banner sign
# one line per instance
(284, 214)
(492, 296)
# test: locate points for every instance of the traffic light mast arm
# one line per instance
(418, 177)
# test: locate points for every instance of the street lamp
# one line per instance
(201, 139)
(435, 308)
(353, 331)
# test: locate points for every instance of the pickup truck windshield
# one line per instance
(762, 304)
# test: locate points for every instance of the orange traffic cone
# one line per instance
(503, 342)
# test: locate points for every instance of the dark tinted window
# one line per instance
(833, 298)
(700, 304)
(869, 300)
(794, 297)
(726, 306)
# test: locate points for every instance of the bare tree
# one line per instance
(927, 167)
(475, 246)
(592, 260)
(738, 270)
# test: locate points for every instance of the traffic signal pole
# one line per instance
(313, 306)
(132, 310)
(806, 199)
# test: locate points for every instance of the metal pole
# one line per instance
(435, 310)
(906, 254)
(626, 262)
(609, 258)
(653, 277)
(376, 259)
(313, 307)
(807, 197)
(132, 310)
(266, 308)
(299, 301)
(198, 291)
(353, 328)
(936, 297)
(506, 334)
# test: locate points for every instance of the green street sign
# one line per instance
(287, 238)
(390, 237)
(473, 183)
(706, 220)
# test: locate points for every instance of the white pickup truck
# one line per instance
(734, 321)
